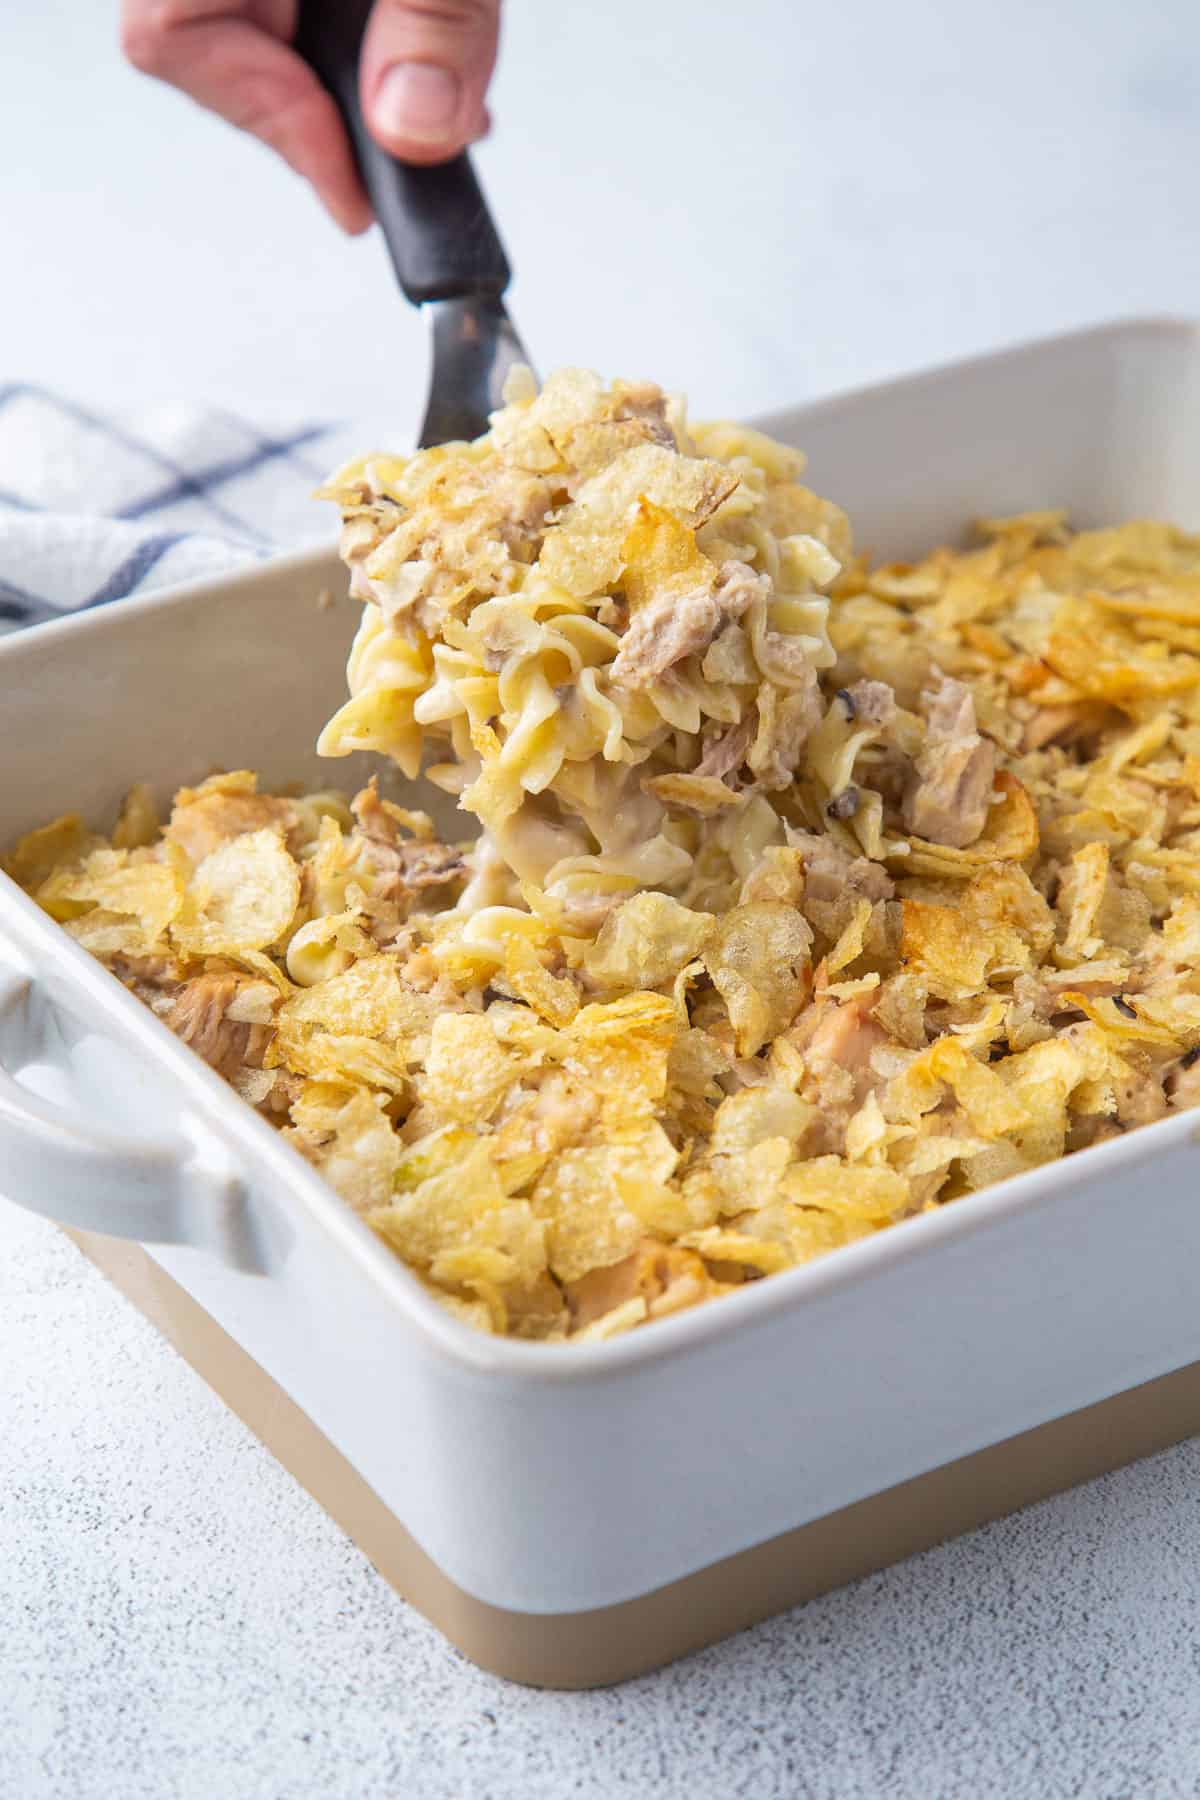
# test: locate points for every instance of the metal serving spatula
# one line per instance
(444, 247)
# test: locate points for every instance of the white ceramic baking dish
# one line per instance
(556, 1508)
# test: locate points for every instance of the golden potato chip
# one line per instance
(221, 808)
(109, 934)
(872, 1194)
(224, 781)
(256, 962)
(60, 844)
(732, 1177)
(756, 1114)
(1108, 671)
(778, 874)
(583, 553)
(137, 822)
(444, 1210)
(988, 1102)
(555, 999)
(758, 960)
(869, 1135)
(1080, 895)
(254, 1085)
(1172, 1020)
(665, 1277)
(669, 1212)
(640, 1021)
(253, 1003)
(850, 990)
(431, 1155)
(802, 1232)
(152, 893)
(1179, 941)
(735, 443)
(724, 1246)
(481, 1271)
(368, 999)
(1043, 1078)
(1047, 523)
(1177, 602)
(475, 1313)
(360, 1158)
(849, 946)
(245, 897)
(645, 942)
(933, 1152)
(588, 1224)
(660, 558)
(505, 1247)
(953, 963)
(980, 1030)
(703, 796)
(694, 1063)
(339, 1056)
(467, 1071)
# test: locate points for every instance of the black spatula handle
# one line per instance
(435, 220)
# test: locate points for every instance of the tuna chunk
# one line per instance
(403, 865)
(727, 752)
(665, 631)
(786, 720)
(947, 795)
(874, 703)
(837, 1042)
(834, 882)
(1183, 1083)
(667, 1278)
(1140, 1098)
(200, 1017)
(647, 404)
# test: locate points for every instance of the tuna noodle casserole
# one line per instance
(809, 895)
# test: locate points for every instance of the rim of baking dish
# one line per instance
(851, 1266)
(1132, 325)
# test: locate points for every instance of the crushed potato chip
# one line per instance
(758, 961)
(149, 893)
(244, 897)
(556, 1000)
(580, 1197)
(467, 1070)
(646, 942)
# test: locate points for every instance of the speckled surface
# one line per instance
(179, 1619)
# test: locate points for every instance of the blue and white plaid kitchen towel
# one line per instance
(93, 508)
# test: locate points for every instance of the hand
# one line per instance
(425, 69)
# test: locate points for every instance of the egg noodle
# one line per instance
(809, 895)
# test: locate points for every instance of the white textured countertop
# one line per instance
(757, 205)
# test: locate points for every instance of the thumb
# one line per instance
(425, 69)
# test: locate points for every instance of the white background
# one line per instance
(757, 203)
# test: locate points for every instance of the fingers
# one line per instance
(224, 61)
(425, 70)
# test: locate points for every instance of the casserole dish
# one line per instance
(575, 1514)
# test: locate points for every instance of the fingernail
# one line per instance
(417, 101)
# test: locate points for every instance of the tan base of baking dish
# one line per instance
(614, 1643)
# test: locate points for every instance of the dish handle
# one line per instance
(58, 1161)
